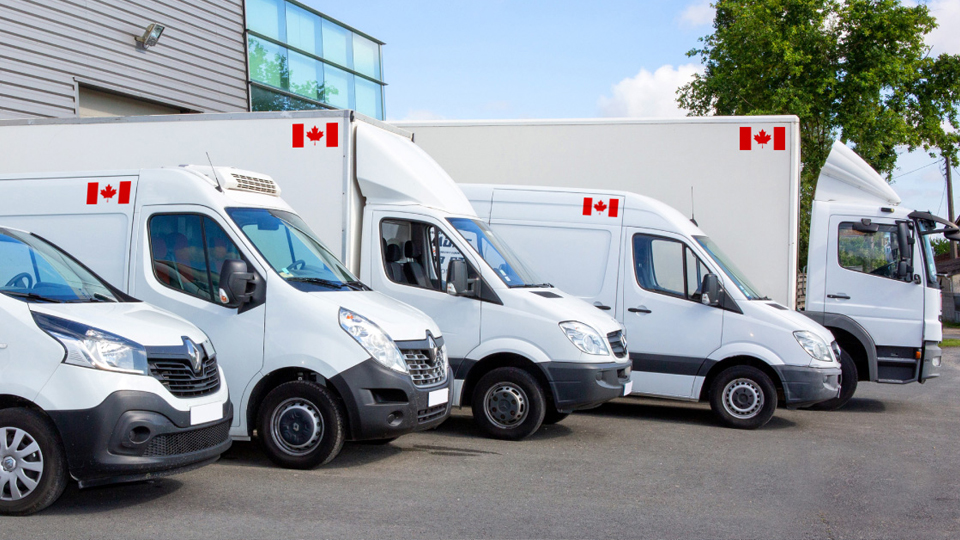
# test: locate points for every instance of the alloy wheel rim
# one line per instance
(506, 405)
(297, 426)
(743, 398)
(21, 464)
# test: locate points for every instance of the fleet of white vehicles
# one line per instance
(742, 177)
(95, 385)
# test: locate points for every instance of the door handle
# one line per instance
(839, 296)
(641, 309)
(598, 305)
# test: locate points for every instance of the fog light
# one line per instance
(395, 418)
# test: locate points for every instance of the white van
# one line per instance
(315, 357)
(95, 385)
(698, 329)
(522, 352)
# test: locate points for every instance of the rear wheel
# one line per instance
(743, 397)
(301, 425)
(848, 384)
(33, 467)
(508, 404)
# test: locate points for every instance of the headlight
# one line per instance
(585, 338)
(815, 346)
(94, 348)
(374, 340)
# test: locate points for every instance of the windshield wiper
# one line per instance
(31, 296)
(358, 286)
(534, 286)
(320, 281)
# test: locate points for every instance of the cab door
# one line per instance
(670, 333)
(180, 252)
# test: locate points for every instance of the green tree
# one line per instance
(846, 68)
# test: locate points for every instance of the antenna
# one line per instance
(217, 178)
(692, 209)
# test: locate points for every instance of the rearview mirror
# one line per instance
(710, 290)
(237, 284)
(905, 243)
(866, 226)
(458, 283)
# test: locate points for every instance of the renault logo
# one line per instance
(196, 356)
(437, 351)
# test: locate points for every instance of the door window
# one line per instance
(667, 266)
(418, 254)
(875, 253)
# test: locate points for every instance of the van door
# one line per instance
(670, 333)
(181, 250)
(862, 283)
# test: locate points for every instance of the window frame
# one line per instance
(685, 248)
(851, 224)
(440, 278)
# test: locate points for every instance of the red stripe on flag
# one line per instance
(614, 206)
(779, 138)
(333, 135)
(587, 206)
(745, 142)
(298, 135)
(124, 197)
(93, 194)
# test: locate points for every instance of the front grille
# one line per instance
(256, 185)
(175, 444)
(618, 343)
(425, 368)
(178, 376)
(431, 413)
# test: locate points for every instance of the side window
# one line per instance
(667, 266)
(219, 249)
(417, 254)
(871, 253)
(188, 251)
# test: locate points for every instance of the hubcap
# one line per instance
(742, 398)
(21, 464)
(506, 405)
(297, 426)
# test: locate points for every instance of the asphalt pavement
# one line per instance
(886, 466)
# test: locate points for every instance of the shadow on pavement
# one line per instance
(462, 426)
(109, 498)
(864, 405)
(249, 454)
(671, 413)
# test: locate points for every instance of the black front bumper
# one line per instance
(932, 360)
(577, 386)
(803, 386)
(382, 403)
(137, 435)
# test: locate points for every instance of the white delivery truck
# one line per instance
(94, 384)
(314, 356)
(743, 174)
(522, 352)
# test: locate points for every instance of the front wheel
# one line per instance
(508, 404)
(743, 397)
(301, 425)
(33, 467)
(848, 385)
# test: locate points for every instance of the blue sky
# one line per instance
(459, 59)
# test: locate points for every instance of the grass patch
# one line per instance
(951, 324)
(950, 343)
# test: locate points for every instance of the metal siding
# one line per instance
(46, 46)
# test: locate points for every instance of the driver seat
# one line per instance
(412, 268)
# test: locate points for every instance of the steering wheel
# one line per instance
(22, 276)
(298, 264)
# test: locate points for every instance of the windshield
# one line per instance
(496, 253)
(292, 250)
(732, 272)
(36, 271)
(928, 259)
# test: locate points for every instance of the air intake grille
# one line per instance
(618, 343)
(431, 413)
(425, 368)
(179, 378)
(174, 444)
(256, 185)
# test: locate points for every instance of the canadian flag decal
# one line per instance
(762, 138)
(120, 194)
(331, 133)
(611, 208)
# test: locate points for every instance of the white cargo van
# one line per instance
(314, 356)
(522, 352)
(95, 385)
(699, 330)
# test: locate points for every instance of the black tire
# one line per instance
(553, 416)
(743, 397)
(848, 385)
(301, 425)
(52, 476)
(524, 407)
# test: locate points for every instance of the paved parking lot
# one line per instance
(885, 467)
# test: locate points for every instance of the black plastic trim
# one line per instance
(578, 386)
(670, 364)
(804, 385)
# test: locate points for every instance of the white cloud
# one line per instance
(946, 37)
(649, 94)
(697, 14)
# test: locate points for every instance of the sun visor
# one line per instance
(846, 177)
(393, 170)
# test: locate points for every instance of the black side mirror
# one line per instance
(238, 284)
(458, 282)
(905, 243)
(710, 290)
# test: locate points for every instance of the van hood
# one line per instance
(145, 324)
(558, 306)
(790, 319)
(402, 322)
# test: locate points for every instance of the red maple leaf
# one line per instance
(762, 138)
(600, 207)
(108, 192)
(314, 135)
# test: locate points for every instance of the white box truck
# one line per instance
(522, 352)
(745, 175)
(95, 385)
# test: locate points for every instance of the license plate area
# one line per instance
(438, 397)
(201, 414)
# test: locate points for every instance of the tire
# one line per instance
(743, 397)
(301, 425)
(848, 385)
(45, 466)
(524, 407)
(553, 416)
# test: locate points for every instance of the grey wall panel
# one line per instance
(47, 46)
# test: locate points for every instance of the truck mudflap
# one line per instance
(932, 360)
(804, 386)
(578, 386)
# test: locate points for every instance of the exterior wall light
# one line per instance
(151, 36)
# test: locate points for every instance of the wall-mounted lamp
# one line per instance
(151, 36)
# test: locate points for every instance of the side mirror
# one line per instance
(710, 290)
(905, 243)
(237, 284)
(458, 283)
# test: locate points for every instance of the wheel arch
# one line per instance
(740, 360)
(9, 401)
(500, 360)
(854, 339)
(284, 375)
